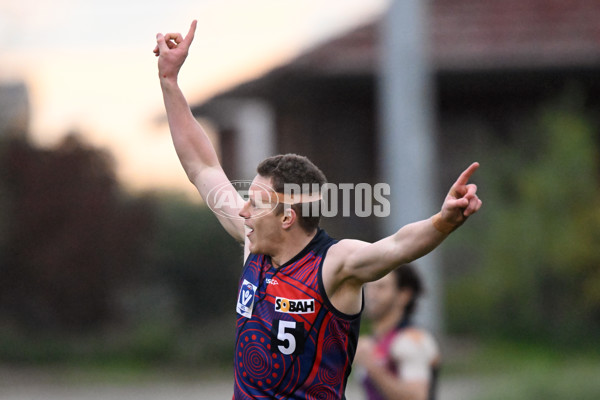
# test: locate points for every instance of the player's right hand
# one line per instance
(172, 50)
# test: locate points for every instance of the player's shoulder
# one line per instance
(414, 339)
(340, 251)
(347, 246)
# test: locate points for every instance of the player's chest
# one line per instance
(275, 294)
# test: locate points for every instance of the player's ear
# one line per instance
(288, 217)
(405, 296)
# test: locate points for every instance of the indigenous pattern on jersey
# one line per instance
(291, 342)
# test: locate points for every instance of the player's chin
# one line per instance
(253, 248)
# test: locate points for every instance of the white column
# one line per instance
(253, 122)
(407, 144)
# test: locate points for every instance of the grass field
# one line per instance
(529, 371)
(481, 371)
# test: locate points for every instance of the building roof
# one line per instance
(477, 34)
(464, 35)
(515, 33)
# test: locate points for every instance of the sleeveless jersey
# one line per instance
(291, 342)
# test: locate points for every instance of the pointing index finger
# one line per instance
(190, 35)
(466, 175)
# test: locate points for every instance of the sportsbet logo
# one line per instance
(301, 306)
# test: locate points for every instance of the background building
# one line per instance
(492, 65)
(14, 109)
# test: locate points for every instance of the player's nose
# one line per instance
(244, 211)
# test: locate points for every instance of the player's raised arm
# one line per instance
(193, 147)
(364, 262)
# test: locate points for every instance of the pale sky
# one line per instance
(89, 64)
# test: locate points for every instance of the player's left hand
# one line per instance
(461, 201)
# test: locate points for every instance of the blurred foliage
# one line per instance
(70, 236)
(91, 272)
(534, 271)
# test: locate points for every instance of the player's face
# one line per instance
(263, 225)
(381, 297)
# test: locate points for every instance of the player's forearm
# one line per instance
(417, 239)
(193, 147)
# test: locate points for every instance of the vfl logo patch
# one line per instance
(245, 303)
(300, 306)
(246, 296)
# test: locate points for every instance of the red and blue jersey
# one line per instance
(291, 342)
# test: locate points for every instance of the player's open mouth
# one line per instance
(248, 230)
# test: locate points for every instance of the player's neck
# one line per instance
(387, 323)
(295, 241)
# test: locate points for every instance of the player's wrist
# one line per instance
(168, 81)
(443, 226)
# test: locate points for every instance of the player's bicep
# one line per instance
(376, 260)
(367, 262)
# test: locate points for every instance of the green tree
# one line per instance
(539, 237)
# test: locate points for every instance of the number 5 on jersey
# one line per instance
(287, 337)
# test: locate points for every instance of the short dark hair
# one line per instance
(294, 169)
(408, 278)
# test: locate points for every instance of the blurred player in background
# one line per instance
(398, 361)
